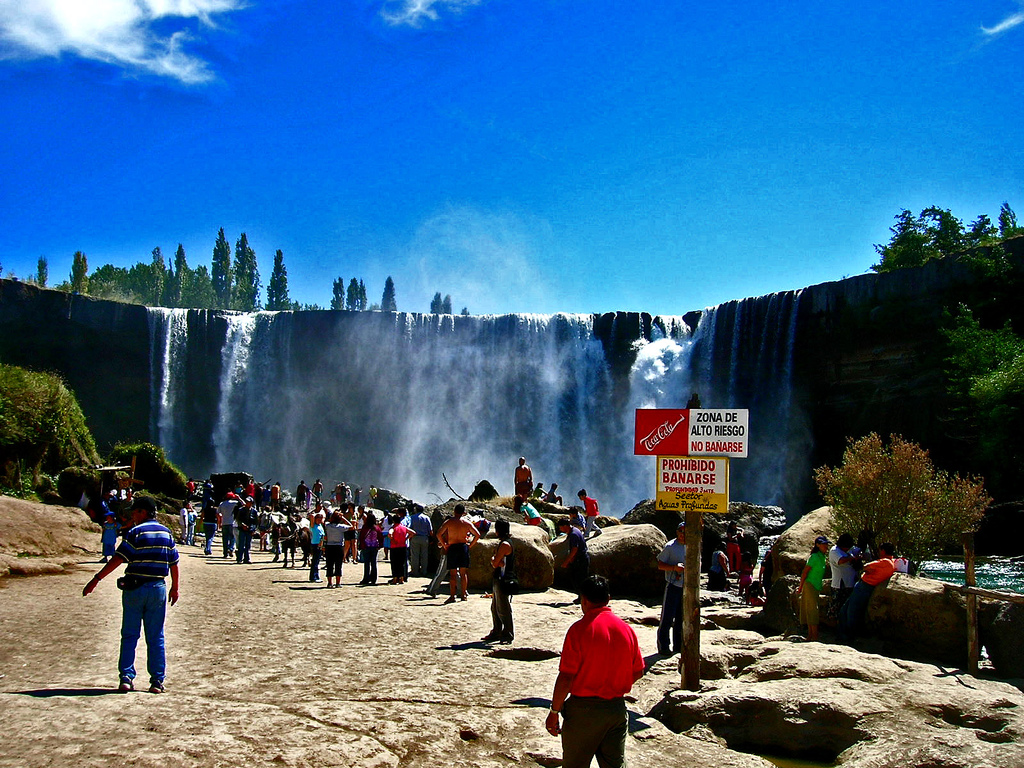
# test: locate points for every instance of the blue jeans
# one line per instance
(143, 607)
(314, 564)
(370, 565)
(851, 615)
(244, 539)
(227, 536)
(671, 620)
(210, 529)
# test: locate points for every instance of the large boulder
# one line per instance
(833, 704)
(780, 613)
(920, 617)
(624, 554)
(793, 547)
(754, 522)
(1002, 639)
(388, 500)
(534, 563)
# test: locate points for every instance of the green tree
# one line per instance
(435, 304)
(197, 289)
(985, 378)
(387, 300)
(157, 278)
(246, 277)
(277, 289)
(79, 273)
(446, 305)
(1008, 223)
(352, 295)
(897, 493)
(221, 271)
(465, 312)
(176, 277)
(338, 293)
(362, 296)
(42, 272)
(110, 282)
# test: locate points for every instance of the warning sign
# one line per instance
(693, 483)
(691, 432)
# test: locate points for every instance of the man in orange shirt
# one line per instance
(852, 613)
(600, 661)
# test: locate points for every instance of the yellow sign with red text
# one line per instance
(693, 483)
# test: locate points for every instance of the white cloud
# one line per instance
(414, 13)
(119, 32)
(488, 262)
(1005, 25)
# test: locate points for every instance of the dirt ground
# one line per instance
(266, 668)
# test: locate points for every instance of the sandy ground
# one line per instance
(267, 668)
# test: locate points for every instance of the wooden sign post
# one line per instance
(692, 447)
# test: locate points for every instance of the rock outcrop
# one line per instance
(534, 563)
(832, 703)
(793, 547)
(624, 554)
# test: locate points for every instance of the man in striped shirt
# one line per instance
(148, 549)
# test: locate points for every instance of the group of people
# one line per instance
(854, 576)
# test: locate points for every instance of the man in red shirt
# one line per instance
(600, 661)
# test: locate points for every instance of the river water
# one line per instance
(1005, 573)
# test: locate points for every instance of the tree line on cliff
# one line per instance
(984, 348)
(226, 284)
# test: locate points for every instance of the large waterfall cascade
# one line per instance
(395, 399)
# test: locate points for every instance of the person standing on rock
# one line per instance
(672, 561)
(148, 549)
(523, 479)
(810, 586)
(577, 563)
(456, 536)
(592, 511)
(600, 661)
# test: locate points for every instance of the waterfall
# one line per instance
(168, 331)
(395, 399)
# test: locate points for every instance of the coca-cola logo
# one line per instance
(661, 433)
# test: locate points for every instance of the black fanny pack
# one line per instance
(128, 582)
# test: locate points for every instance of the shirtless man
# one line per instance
(524, 479)
(455, 537)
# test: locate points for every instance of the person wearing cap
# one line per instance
(148, 550)
(810, 585)
(672, 562)
(247, 519)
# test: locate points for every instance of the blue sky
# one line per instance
(520, 156)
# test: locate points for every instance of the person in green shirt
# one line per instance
(810, 586)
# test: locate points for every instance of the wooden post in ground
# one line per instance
(973, 645)
(689, 659)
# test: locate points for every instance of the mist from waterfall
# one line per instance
(397, 399)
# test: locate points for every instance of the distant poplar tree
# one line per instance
(247, 277)
(154, 293)
(387, 299)
(338, 293)
(79, 273)
(436, 304)
(176, 278)
(42, 272)
(220, 274)
(352, 295)
(465, 312)
(277, 289)
(446, 305)
(362, 296)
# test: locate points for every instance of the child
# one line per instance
(109, 536)
(755, 594)
(746, 571)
